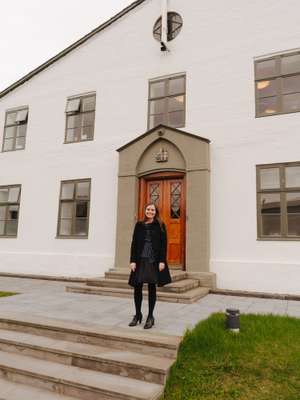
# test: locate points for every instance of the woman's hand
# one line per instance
(132, 266)
(161, 266)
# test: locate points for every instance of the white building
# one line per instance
(240, 220)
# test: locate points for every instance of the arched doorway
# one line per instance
(167, 191)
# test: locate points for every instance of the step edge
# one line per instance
(85, 356)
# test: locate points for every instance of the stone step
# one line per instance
(17, 391)
(124, 275)
(146, 343)
(176, 287)
(97, 358)
(74, 381)
(187, 297)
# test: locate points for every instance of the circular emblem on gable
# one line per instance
(174, 26)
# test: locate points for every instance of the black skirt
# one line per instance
(146, 272)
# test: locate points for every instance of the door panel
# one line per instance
(168, 195)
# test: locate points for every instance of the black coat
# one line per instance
(159, 246)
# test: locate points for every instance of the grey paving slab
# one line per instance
(49, 299)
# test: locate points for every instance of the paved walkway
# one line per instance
(48, 299)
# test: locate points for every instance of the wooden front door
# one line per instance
(167, 191)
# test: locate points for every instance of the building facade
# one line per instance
(204, 123)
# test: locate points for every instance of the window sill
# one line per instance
(71, 237)
(278, 239)
(79, 141)
(8, 237)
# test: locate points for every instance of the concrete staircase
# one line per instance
(181, 290)
(56, 360)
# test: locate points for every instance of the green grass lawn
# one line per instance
(5, 294)
(262, 362)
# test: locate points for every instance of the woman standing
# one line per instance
(148, 262)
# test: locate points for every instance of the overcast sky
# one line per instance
(32, 31)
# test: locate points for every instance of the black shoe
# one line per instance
(149, 323)
(136, 319)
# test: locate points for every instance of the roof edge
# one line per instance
(68, 49)
(159, 127)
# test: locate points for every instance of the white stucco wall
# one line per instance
(215, 49)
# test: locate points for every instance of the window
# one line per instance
(277, 85)
(74, 207)
(80, 118)
(278, 201)
(9, 210)
(167, 102)
(174, 24)
(15, 129)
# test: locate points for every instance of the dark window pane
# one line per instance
(157, 89)
(10, 132)
(175, 200)
(156, 120)
(20, 143)
(292, 176)
(2, 213)
(65, 227)
(66, 210)
(83, 190)
(154, 194)
(4, 193)
(2, 227)
(271, 225)
(291, 102)
(176, 103)
(269, 178)
(266, 88)
(13, 212)
(174, 25)
(67, 191)
(157, 106)
(265, 69)
(176, 119)
(88, 119)
(73, 105)
(290, 64)
(11, 227)
(73, 121)
(88, 103)
(73, 135)
(8, 144)
(293, 203)
(176, 86)
(294, 224)
(81, 227)
(270, 203)
(87, 132)
(14, 193)
(267, 106)
(82, 210)
(291, 84)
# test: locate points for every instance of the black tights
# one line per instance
(138, 298)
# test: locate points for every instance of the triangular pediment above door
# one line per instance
(163, 148)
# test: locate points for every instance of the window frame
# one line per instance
(165, 97)
(80, 97)
(282, 191)
(74, 202)
(170, 35)
(7, 204)
(278, 77)
(15, 125)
